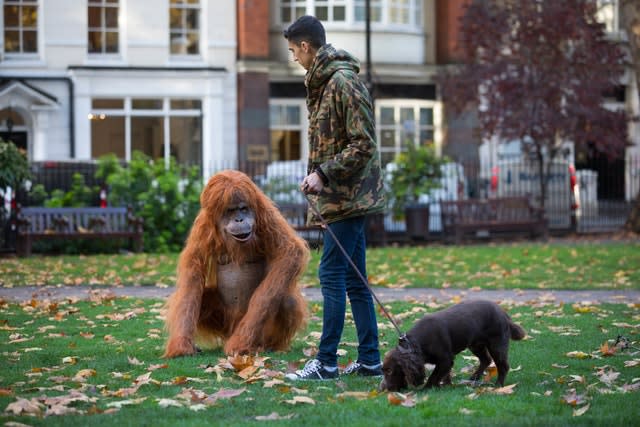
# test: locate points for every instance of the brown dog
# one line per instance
(481, 326)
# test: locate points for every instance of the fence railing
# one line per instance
(582, 200)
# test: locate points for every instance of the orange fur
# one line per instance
(276, 310)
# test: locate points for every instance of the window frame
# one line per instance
(397, 127)
(302, 127)
(415, 17)
(38, 30)
(612, 23)
(184, 31)
(103, 30)
(166, 113)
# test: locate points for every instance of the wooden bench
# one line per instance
(40, 223)
(481, 217)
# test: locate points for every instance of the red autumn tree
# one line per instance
(536, 71)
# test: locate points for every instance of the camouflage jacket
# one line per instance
(342, 138)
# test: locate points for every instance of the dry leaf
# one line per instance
(607, 351)
(165, 403)
(228, 393)
(508, 389)
(274, 416)
(301, 399)
(240, 363)
(578, 355)
(25, 407)
(129, 402)
(580, 411)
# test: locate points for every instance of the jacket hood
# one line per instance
(327, 61)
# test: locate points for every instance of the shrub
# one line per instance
(168, 199)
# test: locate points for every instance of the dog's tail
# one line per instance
(517, 332)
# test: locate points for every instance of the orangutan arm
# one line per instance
(183, 307)
(279, 283)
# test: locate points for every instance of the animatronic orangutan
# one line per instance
(237, 274)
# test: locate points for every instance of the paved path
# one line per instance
(25, 293)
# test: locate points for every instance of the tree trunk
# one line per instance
(630, 22)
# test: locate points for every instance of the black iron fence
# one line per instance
(578, 200)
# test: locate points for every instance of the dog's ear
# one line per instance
(413, 368)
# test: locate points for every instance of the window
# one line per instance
(184, 25)
(331, 10)
(395, 13)
(20, 26)
(401, 123)
(292, 9)
(286, 130)
(103, 26)
(608, 14)
(361, 10)
(158, 127)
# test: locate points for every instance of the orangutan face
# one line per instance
(238, 221)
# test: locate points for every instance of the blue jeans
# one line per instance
(337, 280)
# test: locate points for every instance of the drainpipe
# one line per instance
(72, 103)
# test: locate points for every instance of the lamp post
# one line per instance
(367, 11)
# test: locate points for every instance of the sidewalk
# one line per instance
(56, 293)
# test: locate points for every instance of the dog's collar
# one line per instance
(405, 344)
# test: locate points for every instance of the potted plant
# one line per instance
(417, 172)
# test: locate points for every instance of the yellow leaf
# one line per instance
(578, 355)
(70, 360)
(179, 380)
(83, 374)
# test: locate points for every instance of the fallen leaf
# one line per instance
(301, 399)
(607, 351)
(228, 393)
(134, 361)
(128, 402)
(580, 411)
(508, 389)
(165, 403)
(274, 416)
(25, 407)
(578, 355)
(83, 374)
(70, 360)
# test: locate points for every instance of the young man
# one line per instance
(344, 182)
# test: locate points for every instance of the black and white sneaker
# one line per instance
(313, 370)
(357, 368)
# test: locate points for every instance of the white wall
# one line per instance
(144, 32)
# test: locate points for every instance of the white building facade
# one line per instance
(82, 78)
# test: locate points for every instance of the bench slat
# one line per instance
(36, 223)
(516, 214)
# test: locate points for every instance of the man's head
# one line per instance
(306, 35)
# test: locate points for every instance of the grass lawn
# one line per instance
(608, 265)
(77, 363)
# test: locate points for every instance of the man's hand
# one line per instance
(312, 184)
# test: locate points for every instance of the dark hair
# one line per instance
(308, 29)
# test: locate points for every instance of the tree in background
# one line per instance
(537, 72)
(630, 22)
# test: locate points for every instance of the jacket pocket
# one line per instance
(324, 126)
